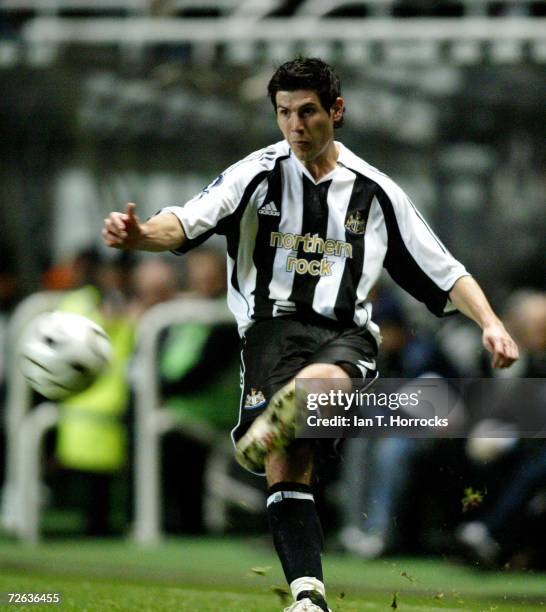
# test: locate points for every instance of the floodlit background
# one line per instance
(102, 101)
(109, 101)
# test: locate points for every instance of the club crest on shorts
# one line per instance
(356, 224)
(255, 399)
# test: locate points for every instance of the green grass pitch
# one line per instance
(243, 575)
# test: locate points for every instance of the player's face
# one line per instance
(306, 125)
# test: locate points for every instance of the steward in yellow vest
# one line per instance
(91, 433)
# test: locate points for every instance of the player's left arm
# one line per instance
(468, 297)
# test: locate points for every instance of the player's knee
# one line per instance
(292, 464)
(323, 370)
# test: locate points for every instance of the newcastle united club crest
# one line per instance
(356, 224)
(255, 399)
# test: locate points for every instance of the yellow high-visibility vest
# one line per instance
(91, 434)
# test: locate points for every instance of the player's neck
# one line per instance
(324, 163)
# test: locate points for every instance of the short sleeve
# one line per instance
(218, 207)
(416, 258)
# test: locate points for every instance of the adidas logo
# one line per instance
(269, 209)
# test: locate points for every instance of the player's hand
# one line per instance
(500, 344)
(122, 230)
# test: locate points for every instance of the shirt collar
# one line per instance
(326, 177)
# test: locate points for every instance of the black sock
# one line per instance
(296, 531)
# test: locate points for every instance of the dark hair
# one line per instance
(307, 73)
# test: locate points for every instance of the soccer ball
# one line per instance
(482, 447)
(61, 354)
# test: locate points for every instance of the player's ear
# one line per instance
(337, 109)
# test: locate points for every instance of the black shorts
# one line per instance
(276, 350)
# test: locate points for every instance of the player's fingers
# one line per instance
(495, 346)
(130, 212)
(113, 241)
(112, 234)
(513, 351)
(110, 221)
(506, 354)
(501, 362)
(510, 350)
(115, 225)
(502, 347)
(115, 222)
(110, 239)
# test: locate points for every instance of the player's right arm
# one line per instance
(123, 230)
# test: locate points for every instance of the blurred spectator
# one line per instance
(500, 531)
(81, 270)
(8, 284)
(206, 274)
(8, 299)
(371, 502)
(526, 319)
(153, 281)
(198, 369)
(91, 435)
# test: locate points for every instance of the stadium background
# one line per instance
(116, 100)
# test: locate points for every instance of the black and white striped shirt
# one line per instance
(300, 246)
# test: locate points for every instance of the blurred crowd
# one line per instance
(479, 499)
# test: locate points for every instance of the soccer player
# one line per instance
(309, 226)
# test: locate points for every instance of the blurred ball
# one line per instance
(63, 353)
(490, 439)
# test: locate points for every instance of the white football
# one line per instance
(481, 446)
(62, 353)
